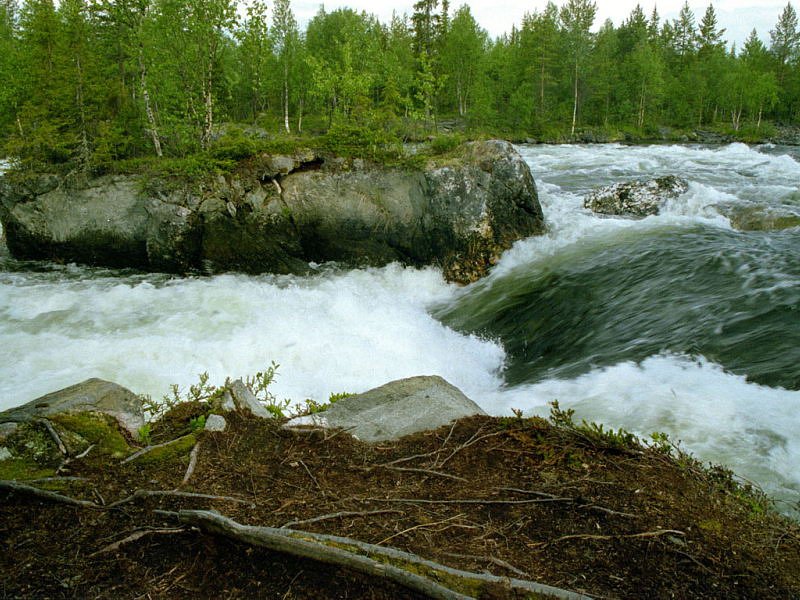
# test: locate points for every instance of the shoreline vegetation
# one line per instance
(98, 87)
(549, 507)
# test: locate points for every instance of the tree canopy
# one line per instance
(90, 82)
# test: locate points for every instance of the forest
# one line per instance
(92, 83)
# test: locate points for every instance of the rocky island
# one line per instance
(277, 213)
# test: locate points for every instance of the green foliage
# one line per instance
(106, 87)
(201, 391)
(145, 432)
(197, 423)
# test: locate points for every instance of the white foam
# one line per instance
(330, 333)
(718, 416)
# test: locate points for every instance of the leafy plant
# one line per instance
(144, 434)
(198, 423)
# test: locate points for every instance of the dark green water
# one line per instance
(728, 296)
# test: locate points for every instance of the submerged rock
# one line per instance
(395, 409)
(639, 198)
(760, 218)
(279, 213)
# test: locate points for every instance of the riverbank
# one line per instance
(566, 505)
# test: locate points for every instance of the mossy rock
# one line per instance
(32, 443)
(96, 428)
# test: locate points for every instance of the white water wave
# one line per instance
(717, 416)
(331, 333)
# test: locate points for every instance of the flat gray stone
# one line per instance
(5, 453)
(216, 423)
(395, 409)
(92, 395)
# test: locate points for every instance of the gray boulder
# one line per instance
(279, 213)
(90, 396)
(216, 423)
(395, 409)
(237, 396)
(639, 198)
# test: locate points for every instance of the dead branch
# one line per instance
(54, 434)
(340, 515)
(192, 464)
(420, 526)
(468, 501)
(592, 536)
(29, 490)
(608, 511)
(136, 535)
(492, 559)
(426, 472)
(377, 561)
(147, 449)
(138, 494)
(471, 441)
(310, 474)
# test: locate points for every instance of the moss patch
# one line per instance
(172, 450)
(22, 469)
(97, 429)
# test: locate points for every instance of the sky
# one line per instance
(738, 17)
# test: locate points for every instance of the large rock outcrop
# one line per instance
(635, 198)
(278, 213)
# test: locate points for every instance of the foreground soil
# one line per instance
(560, 504)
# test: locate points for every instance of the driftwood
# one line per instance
(411, 571)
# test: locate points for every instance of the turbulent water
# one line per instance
(675, 323)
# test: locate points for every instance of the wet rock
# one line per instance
(639, 198)
(395, 409)
(279, 213)
(760, 218)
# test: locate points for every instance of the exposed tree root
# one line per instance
(427, 577)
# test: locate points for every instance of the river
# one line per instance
(676, 323)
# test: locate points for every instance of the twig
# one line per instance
(426, 472)
(147, 449)
(29, 490)
(467, 444)
(192, 464)
(532, 492)
(85, 452)
(53, 434)
(136, 536)
(420, 526)
(492, 559)
(339, 515)
(608, 511)
(591, 536)
(314, 479)
(177, 494)
(467, 501)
